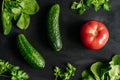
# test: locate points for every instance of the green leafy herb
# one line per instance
(83, 5)
(29, 6)
(95, 69)
(70, 71)
(87, 75)
(18, 10)
(23, 21)
(6, 21)
(101, 71)
(14, 72)
(114, 72)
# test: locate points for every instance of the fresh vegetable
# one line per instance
(20, 11)
(94, 35)
(103, 71)
(70, 71)
(13, 72)
(83, 5)
(30, 54)
(53, 27)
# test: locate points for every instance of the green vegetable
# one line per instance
(30, 54)
(95, 69)
(101, 71)
(70, 71)
(114, 72)
(29, 6)
(23, 21)
(87, 75)
(83, 5)
(53, 27)
(12, 71)
(6, 21)
(18, 10)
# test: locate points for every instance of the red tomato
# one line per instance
(94, 35)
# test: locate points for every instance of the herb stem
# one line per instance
(5, 76)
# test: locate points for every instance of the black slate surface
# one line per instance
(73, 51)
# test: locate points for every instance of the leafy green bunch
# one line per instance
(19, 11)
(70, 71)
(10, 71)
(83, 5)
(101, 71)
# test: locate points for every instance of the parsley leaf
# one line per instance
(70, 71)
(14, 72)
(83, 5)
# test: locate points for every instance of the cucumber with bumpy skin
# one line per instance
(53, 27)
(30, 54)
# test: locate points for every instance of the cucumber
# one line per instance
(53, 28)
(30, 54)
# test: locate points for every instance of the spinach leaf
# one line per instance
(16, 13)
(29, 6)
(6, 21)
(16, 16)
(23, 21)
(20, 11)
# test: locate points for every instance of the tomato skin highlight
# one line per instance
(94, 35)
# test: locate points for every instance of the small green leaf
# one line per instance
(76, 5)
(87, 75)
(23, 21)
(18, 74)
(16, 13)
(6, 21)
(29, 6)
(107, 6)
(57, 71)
(16, 10)
(82, 10)
(97, 7)
(16, 17)
(88, 2)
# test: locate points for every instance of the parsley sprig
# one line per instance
(10, 71)
(70, 71)
(83, 5)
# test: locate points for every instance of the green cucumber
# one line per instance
(53, 27)
(30, 54)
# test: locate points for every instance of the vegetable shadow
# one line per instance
(16, 54)
(73, 32)
(41, 28)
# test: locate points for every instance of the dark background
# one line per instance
(73, 51)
